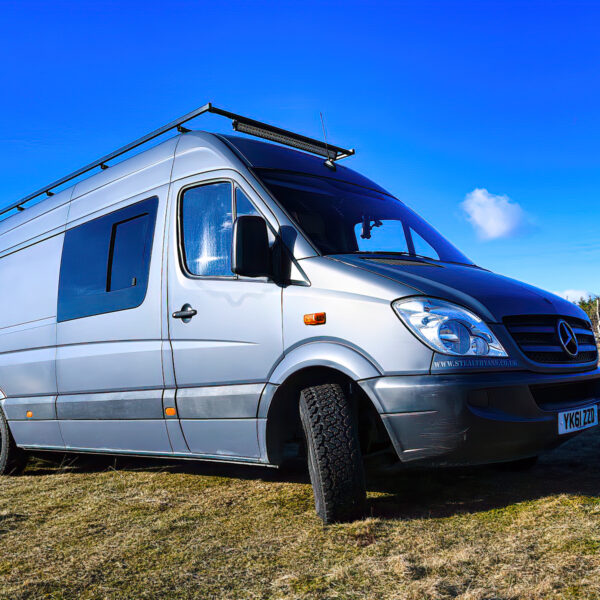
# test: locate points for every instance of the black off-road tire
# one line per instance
(12, 459)
(333, 450)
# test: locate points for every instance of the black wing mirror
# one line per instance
(250, 253)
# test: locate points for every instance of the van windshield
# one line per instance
(342, 218)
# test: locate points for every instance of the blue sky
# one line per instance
(486, 106)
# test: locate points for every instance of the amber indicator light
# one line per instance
(170, 412)
(29, 414)
(315, 319)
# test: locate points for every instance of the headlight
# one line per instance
(448, 328)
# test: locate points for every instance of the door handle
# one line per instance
(185, 314)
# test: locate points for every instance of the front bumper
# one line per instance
(478, 418)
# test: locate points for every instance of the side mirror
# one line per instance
(250, 252)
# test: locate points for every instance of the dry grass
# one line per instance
(144, 530)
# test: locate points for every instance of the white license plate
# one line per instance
(576, 420)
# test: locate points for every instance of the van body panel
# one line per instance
(485, 292)
(357, 312)
(42, 220)
(24, 369)
(176, 437)
(167, 366)
(35, 239)
(325, 353)
(144, 404)
(36, 408)
(142, 435)
(136, 175)
(117, 195)
(29, 372)
(230, 349)
(37, 434)
(106, 366)
(28, 319)
(33, 289)
(222, 437)
(36, 334)
(199, 153)
(213, 402)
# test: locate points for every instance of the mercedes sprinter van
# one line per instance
(226, 298)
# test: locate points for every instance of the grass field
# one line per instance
(136, 530)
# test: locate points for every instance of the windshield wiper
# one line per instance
(409, 255)
(393, 253)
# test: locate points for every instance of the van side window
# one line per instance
(127, 247)
(206, 227)
(106, 262)
(423, 247)
(243, 206)
(207, 214)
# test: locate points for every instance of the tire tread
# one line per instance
(335, 463)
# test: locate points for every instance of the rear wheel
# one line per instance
(12, 459)
(333, 450)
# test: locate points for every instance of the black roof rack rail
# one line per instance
(240, 123)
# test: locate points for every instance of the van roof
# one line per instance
(266, 155)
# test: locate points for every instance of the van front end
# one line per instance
(470, 419)
(473, 367)
(541, 389)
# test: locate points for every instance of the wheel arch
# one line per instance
(309, 365)
(334, 355)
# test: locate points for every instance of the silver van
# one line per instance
(226, 298)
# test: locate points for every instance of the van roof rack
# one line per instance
(240, 123)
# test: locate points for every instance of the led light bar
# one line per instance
(283, 139)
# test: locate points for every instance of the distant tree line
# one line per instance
(592, 307)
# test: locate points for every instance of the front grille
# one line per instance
(537, 337)
(561, 396)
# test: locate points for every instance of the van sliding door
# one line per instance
(109, 363)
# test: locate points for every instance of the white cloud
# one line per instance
(574, 295)
(494, 216)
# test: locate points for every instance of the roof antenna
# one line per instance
(329, 162)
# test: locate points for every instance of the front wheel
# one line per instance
(12, 459)
(334, 457)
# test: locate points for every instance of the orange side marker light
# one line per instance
(29, 414)
(315, 319)
(170, 412)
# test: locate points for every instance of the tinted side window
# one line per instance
(423, 247)
(105, 262)
(127, 249)
(243, 206)
(207, 222)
